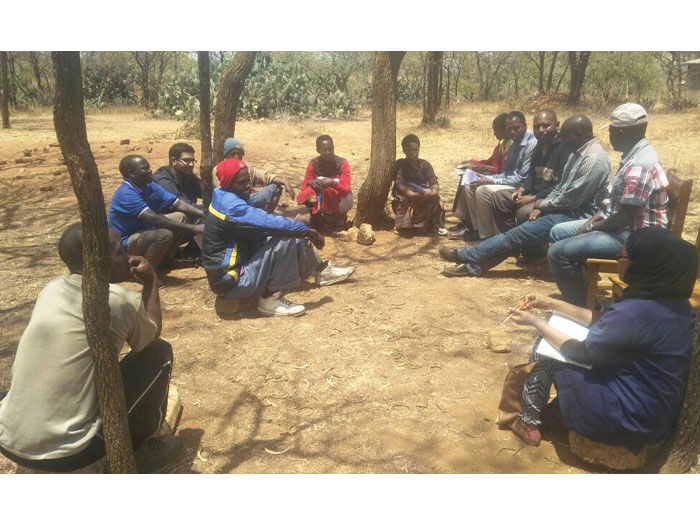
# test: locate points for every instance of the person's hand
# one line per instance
(525, 200)
(141, 269)
(584, 227)
(482, 180)
(327, 182)
(316, 239)
(315, 185)
(522, 317)
(286, 185)
(541, 302)
(465, 164)
(535, 214)
(517, 194)
(197, 228)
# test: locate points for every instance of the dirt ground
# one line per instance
(386, 373)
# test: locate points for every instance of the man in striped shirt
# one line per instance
(638, 198)
(584, 180)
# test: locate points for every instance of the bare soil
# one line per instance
(386, 373)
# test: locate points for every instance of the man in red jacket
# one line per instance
(325, 190)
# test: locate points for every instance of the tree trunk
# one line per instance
(5, 101)
(13, 79)
(579, 63)
(34, 59)
(684, 444)
(432, 99)
(230, 89)
(540, 68)
(205, 168)
(69, 121)
(373, 193)
(552, 64)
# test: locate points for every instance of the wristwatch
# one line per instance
(589, 228)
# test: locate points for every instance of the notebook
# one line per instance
(567, 326)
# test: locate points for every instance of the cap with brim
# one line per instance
(627, 115)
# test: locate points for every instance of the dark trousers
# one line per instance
(506, 214)
(146, 377)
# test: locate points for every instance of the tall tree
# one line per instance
(432, 95)
(69, 121)
(205, 168)
(152, 66)
(5, 101)
(578, 62)
(488, 66)
(374, 190)
(34, 60)
(230, 89)
(684, 444)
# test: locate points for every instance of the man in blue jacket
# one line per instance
(247, 251)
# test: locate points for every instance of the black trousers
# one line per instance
(146, 377)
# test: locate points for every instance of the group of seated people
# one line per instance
(548, 187)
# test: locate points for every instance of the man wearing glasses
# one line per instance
(178, 176)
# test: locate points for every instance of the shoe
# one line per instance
(462, 270)
(277, 306)
(441, 232)
(459, 226)
(530, 434)
(332, 274)
(458, 235)
(156, 454)
(449, 254)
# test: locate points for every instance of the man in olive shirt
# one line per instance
(50, 418)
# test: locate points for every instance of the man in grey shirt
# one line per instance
(584, 183)
(50, 418)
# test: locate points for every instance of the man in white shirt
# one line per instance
(50, 418)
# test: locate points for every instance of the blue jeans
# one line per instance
(494, 250)
(569, 251)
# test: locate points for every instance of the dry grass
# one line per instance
(386, 373)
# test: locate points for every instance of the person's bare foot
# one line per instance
(530, 434)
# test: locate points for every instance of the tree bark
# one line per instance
(205, 168)
(432, 99)
(374, 190)
(230, 89)
(684, 444)
(552, 64)
(13, 79)
(69, 121)
(5, 101)
(579, 63)
(34, 59)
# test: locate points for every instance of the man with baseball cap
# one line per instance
(249, 252)
(637, 198)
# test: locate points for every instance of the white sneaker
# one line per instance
(276, 305)
(442, 232)
(331, 274)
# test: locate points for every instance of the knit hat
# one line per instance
(227, 169)
(231, 143)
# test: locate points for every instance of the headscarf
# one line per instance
(227, 169)
(662, 265)
(231, 143)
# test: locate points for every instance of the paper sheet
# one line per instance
(468, 176)
(567, 326)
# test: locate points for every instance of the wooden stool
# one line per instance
(611, 456)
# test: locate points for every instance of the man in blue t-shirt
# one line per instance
(150, 220)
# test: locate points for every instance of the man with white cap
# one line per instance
(637, 198)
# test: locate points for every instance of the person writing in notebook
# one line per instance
(639, 350)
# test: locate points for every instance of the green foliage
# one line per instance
(277, 87)
(613, 77)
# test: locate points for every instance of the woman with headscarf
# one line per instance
(639, 350)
